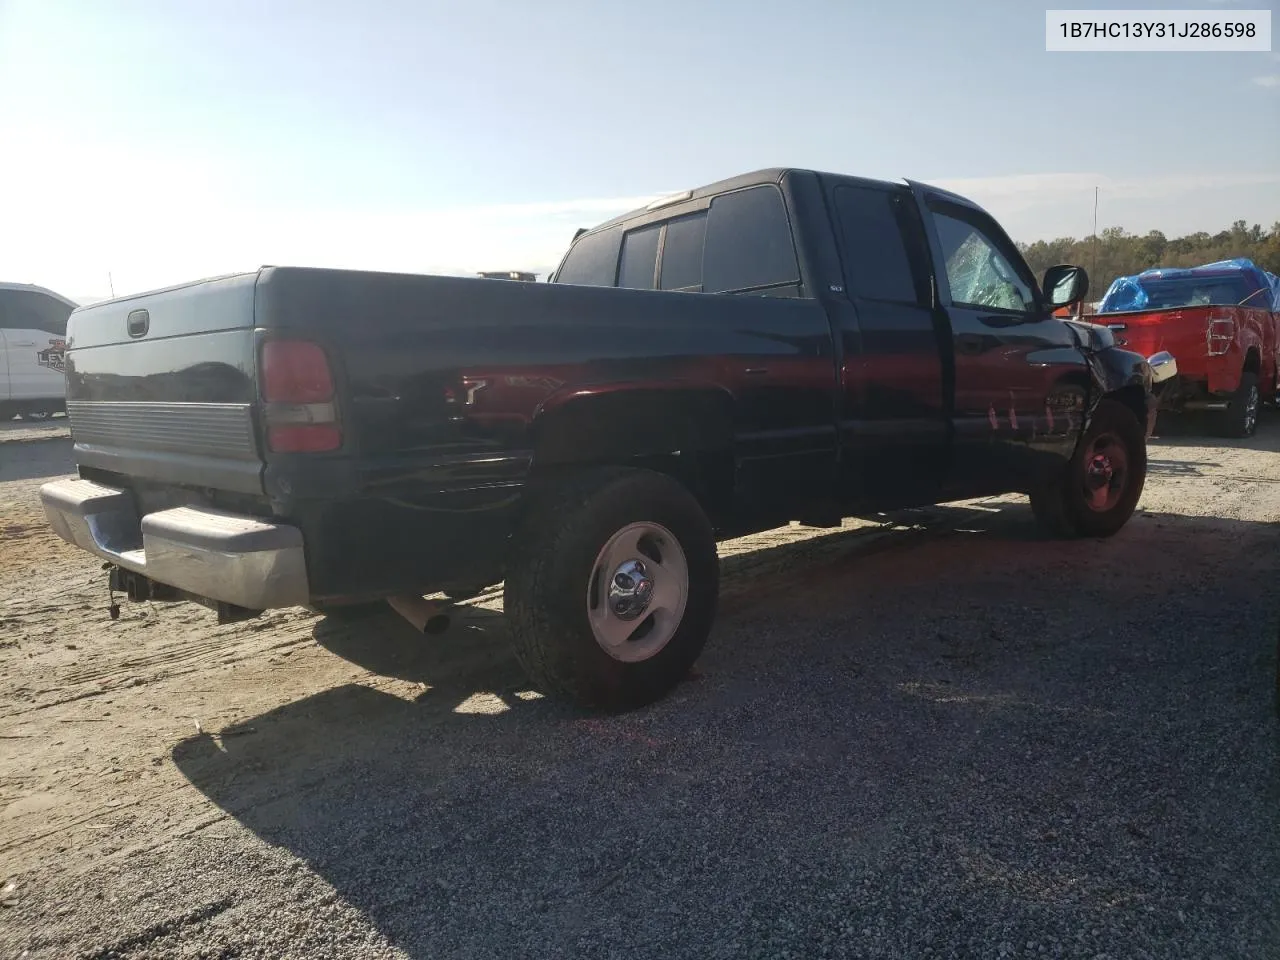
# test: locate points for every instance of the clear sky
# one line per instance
(165, 140)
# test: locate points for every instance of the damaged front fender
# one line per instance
(1121, 374)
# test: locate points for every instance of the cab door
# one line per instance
(1015, 408)
(34, 327)
(895, 423)
(25, 379)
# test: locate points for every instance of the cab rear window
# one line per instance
(593, 260)
(748, 244)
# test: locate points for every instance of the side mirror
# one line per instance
(1064, 285)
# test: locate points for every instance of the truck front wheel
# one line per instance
(611, 587)
(1240, 419)
(1098, 490)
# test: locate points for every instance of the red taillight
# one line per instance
(295, 371)
(297, 385)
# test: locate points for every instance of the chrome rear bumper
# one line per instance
(1163, 366)
(252, 563)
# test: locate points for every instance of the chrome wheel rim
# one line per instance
(1106, 473)
(637, 592)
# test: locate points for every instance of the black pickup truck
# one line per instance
(785, 345)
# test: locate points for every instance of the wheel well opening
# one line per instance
(707, 475)
(1133, 397)
(1253, 361)
(685, 436)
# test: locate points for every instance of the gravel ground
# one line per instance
(941, 738)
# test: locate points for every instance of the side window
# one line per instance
(885, 257)
(593, 260)
(639, 257)
(682, 253)
(748, 242)
(30, 310)
(977, 272)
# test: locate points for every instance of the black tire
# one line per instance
(1064, 505)
(1240, 419)
(552, 573)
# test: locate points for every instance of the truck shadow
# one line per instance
(475, 649)
(1198, 430)
(1178, 468)
(850, 723)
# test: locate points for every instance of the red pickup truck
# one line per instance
(1221, 323)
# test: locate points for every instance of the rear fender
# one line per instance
(679, 427)
(1225, 371)
(1244, 353)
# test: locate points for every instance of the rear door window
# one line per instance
(748, 243)
(682, 253)
(593, 260)
(639, 258)
(884, 246)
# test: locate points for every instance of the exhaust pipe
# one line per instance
(427, 616)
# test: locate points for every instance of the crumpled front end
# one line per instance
(1134, 379)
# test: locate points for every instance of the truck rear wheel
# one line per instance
(1097, 492)
(611, 588)
(1240, 419)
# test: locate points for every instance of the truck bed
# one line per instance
(438, 383)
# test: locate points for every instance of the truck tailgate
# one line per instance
(160, 387)
(1180, 331)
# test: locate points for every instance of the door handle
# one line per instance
(969, 342)
(23, 343)
(756, 371)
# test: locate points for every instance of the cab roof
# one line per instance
(32, 288)
(755, 178)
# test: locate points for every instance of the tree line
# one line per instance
(1116, 253)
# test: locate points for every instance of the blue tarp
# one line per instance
(1224, 282)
